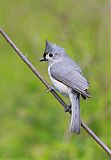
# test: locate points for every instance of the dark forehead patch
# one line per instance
(44, 55)
(48, 48)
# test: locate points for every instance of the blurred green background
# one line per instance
(33, 125)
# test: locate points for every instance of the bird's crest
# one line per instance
(50, 47)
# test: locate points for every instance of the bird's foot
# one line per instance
(50, 89)
(68, 109)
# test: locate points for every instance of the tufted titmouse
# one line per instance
(67, 78)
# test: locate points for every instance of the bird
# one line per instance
(68, 79)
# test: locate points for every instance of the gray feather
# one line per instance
(70, 74)
(50, 47)
(75, 117)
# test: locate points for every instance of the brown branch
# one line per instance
(84, 126)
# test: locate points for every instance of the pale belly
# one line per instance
(63, 89)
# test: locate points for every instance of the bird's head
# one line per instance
(52, 52)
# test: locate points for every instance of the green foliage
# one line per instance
(32, 123)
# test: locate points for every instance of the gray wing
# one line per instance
(71, 75)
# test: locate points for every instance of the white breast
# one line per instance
(58, 85)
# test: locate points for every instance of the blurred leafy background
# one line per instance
(33, 125)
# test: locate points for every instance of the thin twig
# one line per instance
(84, 126)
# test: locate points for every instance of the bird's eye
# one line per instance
(50, 55)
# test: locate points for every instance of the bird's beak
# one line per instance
(42, 59)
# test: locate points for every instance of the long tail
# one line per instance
(75, 117)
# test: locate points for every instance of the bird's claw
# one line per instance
(68, 109)
(50, 89)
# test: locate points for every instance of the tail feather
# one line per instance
(75, 117)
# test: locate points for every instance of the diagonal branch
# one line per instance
(28, 63)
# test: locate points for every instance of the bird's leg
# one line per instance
(50, 89)
(68, 109)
